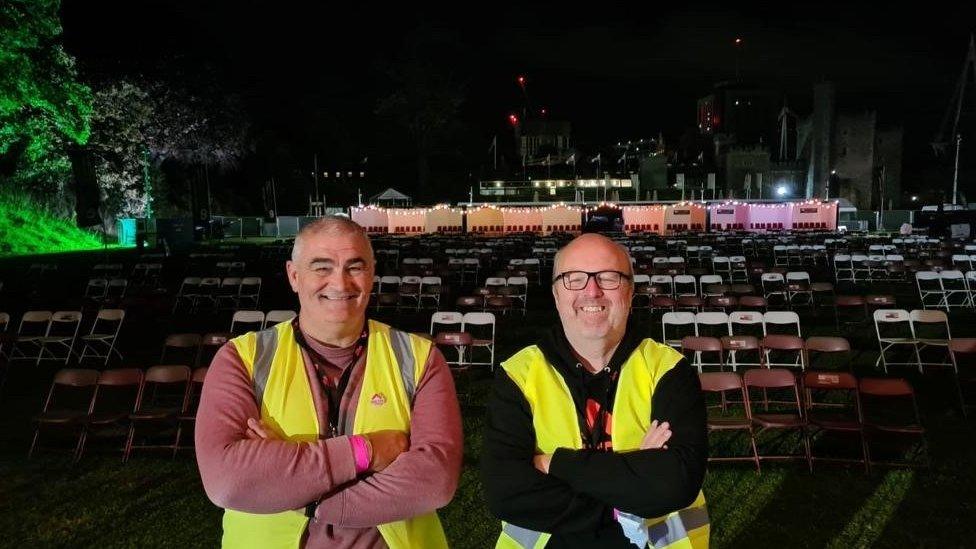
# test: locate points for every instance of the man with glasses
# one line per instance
(596, 435)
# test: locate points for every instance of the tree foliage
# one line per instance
(43, 107)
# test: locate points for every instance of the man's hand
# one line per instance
(657, 436)
(256, 430)
(385, 446)
(541, 462)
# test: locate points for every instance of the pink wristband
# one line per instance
(360, 453)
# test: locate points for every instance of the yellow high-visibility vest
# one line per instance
(556, 426)
(395, 363)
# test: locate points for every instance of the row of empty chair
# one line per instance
(47, 335)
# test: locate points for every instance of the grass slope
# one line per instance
(28, 228)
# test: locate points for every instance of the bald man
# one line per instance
(596, 435)
(330, 430)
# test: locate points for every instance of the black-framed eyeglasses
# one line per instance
(606, 280)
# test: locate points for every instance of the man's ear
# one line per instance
(292, 271)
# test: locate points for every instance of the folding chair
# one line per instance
(409, 290)
(188, 417)
(162, 398)
(665, 282)
(520, 285)
(246, 321)
(963, 353)
(712, 285)
(747, 323)
(479, 325)
(226, 296)
(188, 292)
(61, 336)
(782, 322)
(66, 411)
(181, 349)
(930, 290)
(844, 415)
(931, 329)
(642, 291)
(431, 289)
(249, 293)
(773, 284)
(101, 340)
(893, 328)
(712, 324)
(277, 316)
(115, 398)
(954, 289)
(500, 303)
(208, 292)
(685, 285)
(777, 378)
(115, 292)
(720, 383)
(96, 289)
(782, 344)
(682, 323)
(887, 413)
(34, 325)
(697, 345)
(825, 347)
(735, 344)
(798, 288)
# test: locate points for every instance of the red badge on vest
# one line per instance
(378, 399)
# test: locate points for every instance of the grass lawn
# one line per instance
(157, 501)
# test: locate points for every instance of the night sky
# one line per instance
(614, 72)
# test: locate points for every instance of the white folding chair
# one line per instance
(251, 319)
(476, 323)
(930, 291)
(389, 284)
(664, 281)
(955, 289)
(96, 289)
(33, 326)
(893, 328)
(277, 316)
(446, 318)
(685, 285)
(520, 286)
(775, 321)
(798, 288)
(709, 280)
(679, 322)
(843, 268)
(249, 293)
(712, 324)
(747, 323)
(430, 289)
(773, 284)
(931, 329)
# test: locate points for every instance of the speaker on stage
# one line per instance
(87, 193)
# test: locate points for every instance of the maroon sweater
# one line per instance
(270, 476)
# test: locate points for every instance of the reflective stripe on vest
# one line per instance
(395, 362)
(555, 423)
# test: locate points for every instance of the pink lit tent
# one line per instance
(770, 217)
(374, 220)
(444, 220)
(485, 220)
(408, 221)
(561, 218)
(815, 215)
(688, 216)
(730, 216)
(522, 219)
(644, 218)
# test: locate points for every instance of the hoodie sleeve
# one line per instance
(648, 483)
(516, 492)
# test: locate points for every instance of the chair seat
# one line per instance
(158, 413)
(187, 417)
(836, 424)
(54, 339)
(779, 420)
(105, 418)
(61, 416)
(938, 342)
(94, 337)
(911, 429)
(905, 340)
(725, 424)
(482, 342)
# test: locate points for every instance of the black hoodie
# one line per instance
(575, 501)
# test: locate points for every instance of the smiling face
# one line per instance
(332, 272)
(593, 313)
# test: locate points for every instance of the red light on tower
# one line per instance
(513, 119)
(738, 41)
(543, 111)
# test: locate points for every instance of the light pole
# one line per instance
(955, 175)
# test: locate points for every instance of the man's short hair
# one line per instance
(332, 225)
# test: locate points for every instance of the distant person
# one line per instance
(596, 435)
(906, 229)
(330, 430)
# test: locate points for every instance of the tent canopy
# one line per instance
(390, 196)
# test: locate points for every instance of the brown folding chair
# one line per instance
(782, 344)
(697, 345)
(830, 346)
(210, 344)
(499, 304)
(736, 344)
(851, 309)
(189, 415)
(887, 413)
(181, 349)
(844, 415)
(963, 353)
(778, 420)
(720, 383)
(115, 398)
(68, 402)
(753, 303)
(469, 303)
(162, 398)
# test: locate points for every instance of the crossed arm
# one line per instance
(244, 471)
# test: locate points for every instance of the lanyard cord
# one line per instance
(592, 437)
(333, 395)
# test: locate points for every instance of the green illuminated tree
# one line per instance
(43, 107)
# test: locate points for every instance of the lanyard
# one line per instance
(592, 437)
(333, 395)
